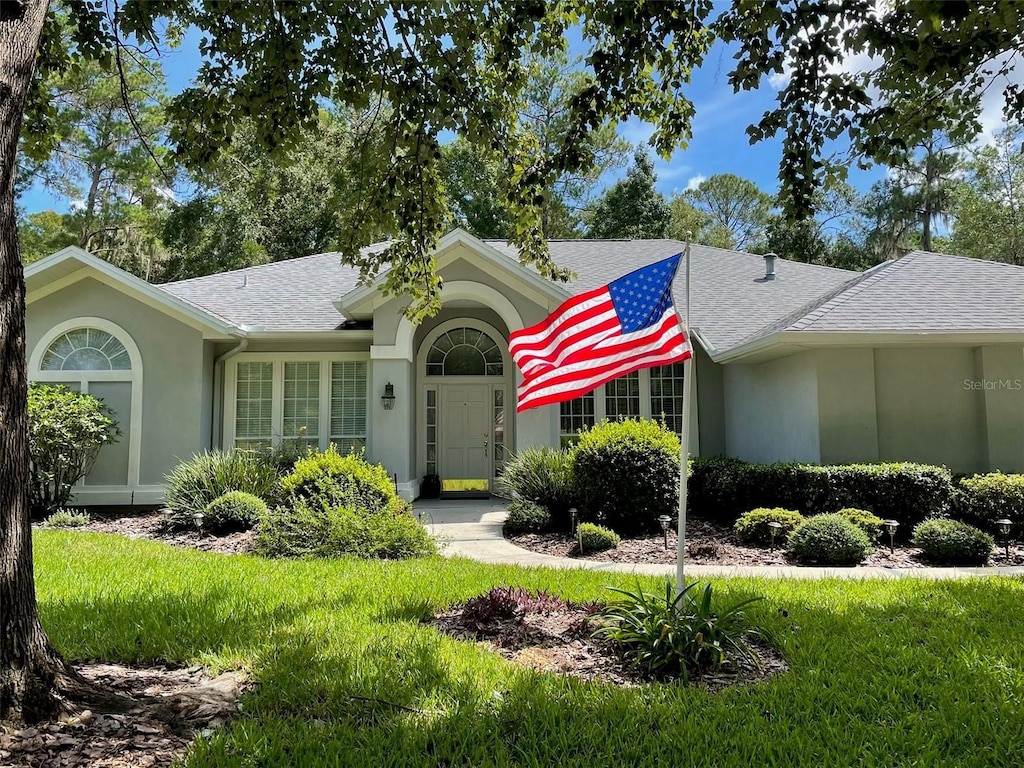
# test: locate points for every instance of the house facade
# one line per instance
(920, 359)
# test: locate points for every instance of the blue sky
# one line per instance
(719, 143)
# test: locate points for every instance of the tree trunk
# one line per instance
(30, 669)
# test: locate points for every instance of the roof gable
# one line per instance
(72, 264)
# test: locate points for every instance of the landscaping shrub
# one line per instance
(595, 538)
(526, 517)
(752, 527)
(867, 522)
(626, 474)
(722, 489)
(233, 511)
(193, 484)
(311, 529)
(543, 476)
(829, 539)
(670, 635)
(65, 518)
(332, 480)
(950, 542)
(508, 603)
(983, 499)
(66, 431)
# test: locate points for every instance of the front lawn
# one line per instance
(886, 673)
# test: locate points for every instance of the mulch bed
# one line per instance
(710, 543)
(558, 641)
(149, 525)
(137, 740)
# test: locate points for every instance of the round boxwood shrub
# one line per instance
(333, 480)
(596, 538)
(950, 542)
(311, 530)
(233, 511)
(626, 474)
(526, 517)
(194, 484)
(752, 527)
(829, 540)
(870, 523)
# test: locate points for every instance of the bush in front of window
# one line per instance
(194, 484)
(234, 511)
(626, 474)
(66, 430)
(542, 476)
(330, 479)
(308, 529)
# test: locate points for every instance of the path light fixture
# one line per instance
(774, 526)
(1004, 526)
(572, 520)
(197, 518)
(664, 520)
(890, 528)
(388, 398)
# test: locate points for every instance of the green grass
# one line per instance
(885, 673)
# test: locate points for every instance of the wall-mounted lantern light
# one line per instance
(388, 398)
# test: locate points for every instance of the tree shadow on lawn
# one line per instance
(883, 673)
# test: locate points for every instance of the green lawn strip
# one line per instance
(884, 673)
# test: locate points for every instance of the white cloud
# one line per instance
(779, 80)
(694, 182)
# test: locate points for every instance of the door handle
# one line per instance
(485, 445)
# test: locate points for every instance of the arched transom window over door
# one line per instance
(464, 352)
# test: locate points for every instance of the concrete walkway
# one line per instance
(471, 528)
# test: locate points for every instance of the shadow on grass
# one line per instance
(928, 674)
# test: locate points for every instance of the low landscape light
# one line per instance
(1004, 526)
(890, 528)
(197, 518)
(774, 526)
(664, 520)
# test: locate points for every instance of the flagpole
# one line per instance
(684, 441)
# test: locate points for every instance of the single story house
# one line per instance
(916, 359)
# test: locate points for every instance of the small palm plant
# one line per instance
(674, 635)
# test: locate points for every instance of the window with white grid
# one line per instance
(348, 405)
(667, 395)
(254, 397)
(301, 406)
(622, 397)
(574, 415)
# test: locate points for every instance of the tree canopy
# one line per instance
(631, 207)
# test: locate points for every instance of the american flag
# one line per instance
(600, 335)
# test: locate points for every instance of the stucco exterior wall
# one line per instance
(1002, 387)
(924, 410)
(173, 369)
(709, 415)
(846, 405)
(771, 410)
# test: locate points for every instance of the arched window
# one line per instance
(86, 349)
(464, 352)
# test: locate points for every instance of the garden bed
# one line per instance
(713, 544)
(557, 639)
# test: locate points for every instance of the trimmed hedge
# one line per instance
(626, 474)
(333, 480)
(526, 517)
(233, 511)
(752, 527)
(950, 542)
(871, 524)
(723, 489)
(983, 499)
(595, 538)
(829, 539)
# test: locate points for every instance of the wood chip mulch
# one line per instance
(559, 642)
(137, 740)
(149, 525)
(709, 543)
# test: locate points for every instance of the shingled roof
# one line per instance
(921, 292)
(731, 303)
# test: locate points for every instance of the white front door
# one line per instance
(465, 437)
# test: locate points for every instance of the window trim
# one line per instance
(82, 378)
(278, 359)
